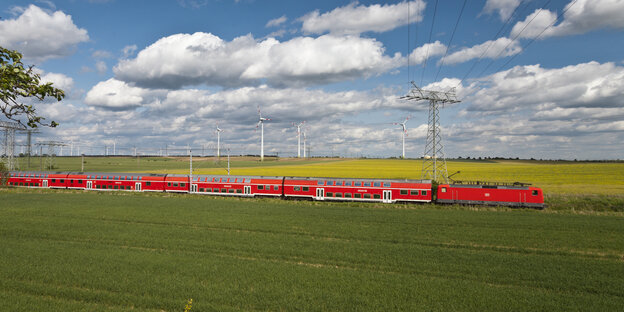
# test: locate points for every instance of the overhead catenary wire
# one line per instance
(435, 9)
(539, 35)
(450, 40)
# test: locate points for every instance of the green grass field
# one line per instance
(77, 251)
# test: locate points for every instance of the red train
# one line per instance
(337, 189)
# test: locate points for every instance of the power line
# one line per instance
(435, 9)
(514, 38)
(539, 35)
(494, 38)
(450, 41)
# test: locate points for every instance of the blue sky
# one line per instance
(150, 74)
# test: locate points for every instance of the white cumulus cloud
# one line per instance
(203, 58)
(40, 35)
(501, 47)
(504, 8)
(117, 95)
(356, 19)
(580, 17)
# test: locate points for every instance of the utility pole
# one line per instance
(434, 161)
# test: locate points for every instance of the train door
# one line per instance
(193, 188)
(320, 193)
(44, 183)
(137, 186)
(247, 189)
(387, 196)
(89, 185)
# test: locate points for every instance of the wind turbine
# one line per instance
(299, 138)
(304, 143)
(261, 121)
(218, 131)
(404, 133)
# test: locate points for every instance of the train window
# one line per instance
(350, 183)
(414, 192)
(239, 191)
(97, 186)
(297, 188)
(223, 190)
(36, 184)
(320, 182)
(169, 184)
(231, 191)
(338, 194)
(357, 195)
(80, 181)
(534, 193)
(367, 184)
(358, 183)
(443, 190)
(376, 196)
(116, 187)
(366, 195)
(403, 192)
(31, 184)
(275, 188)
(329, 194)
(53, 180)
(175, 184)
(62, 181)
(182, 184)
(148, 183)
(377, 184)
(261, 187)
(201, 189)
(423, 193)
(128, 187)
(306, 189)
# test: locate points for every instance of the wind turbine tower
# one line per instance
(299, 138)
(404, 133)
(261, 121)
(218, 130)
(304, 144)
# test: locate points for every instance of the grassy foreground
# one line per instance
(76, 251)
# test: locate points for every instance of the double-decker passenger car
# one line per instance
(377, 190)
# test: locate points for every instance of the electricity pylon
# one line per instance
(9, 142)
(434, 161)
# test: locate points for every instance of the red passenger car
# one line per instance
(237, 185)
(28, 179)
(484, 193)
(177, 183)
(377, 190)
(125, 181)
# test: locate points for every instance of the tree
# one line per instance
(18, 82)
(4, 175)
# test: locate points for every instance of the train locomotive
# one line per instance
(321, 189)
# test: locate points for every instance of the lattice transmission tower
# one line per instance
(50, 162)
(8, 150)
(434, 161)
